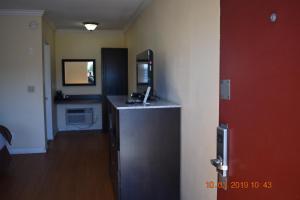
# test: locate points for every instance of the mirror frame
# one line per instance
(78, 60)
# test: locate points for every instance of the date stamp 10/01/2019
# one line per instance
(239, 185)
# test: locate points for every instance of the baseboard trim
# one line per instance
(16, 151)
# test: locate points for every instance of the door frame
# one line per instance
(48, 97)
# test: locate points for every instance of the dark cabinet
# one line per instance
(144, 150)
(114, 62)
(114, 148)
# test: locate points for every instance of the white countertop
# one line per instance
(120, 103)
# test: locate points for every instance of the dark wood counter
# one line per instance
(80, 99)
(145, 150)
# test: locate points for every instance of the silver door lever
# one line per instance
(216, 162)
(219, 164)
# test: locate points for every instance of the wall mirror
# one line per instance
(79, 72)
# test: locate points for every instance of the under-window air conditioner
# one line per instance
(79, 116)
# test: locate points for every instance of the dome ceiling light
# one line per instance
(90, 26)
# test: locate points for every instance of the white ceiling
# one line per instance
(69, 14)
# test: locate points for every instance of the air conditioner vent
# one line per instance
(81, 117)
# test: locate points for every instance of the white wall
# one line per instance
(185, 38)
(21, 66)
(84, 45)
(49, 38)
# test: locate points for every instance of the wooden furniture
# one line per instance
(144, 149)
(114, 62)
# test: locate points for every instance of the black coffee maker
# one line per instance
(59, 95)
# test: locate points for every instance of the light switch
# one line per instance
(31, 89)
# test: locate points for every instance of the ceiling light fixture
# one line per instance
(90, 26)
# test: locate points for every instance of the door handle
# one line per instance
(216, 162)
(219, 164)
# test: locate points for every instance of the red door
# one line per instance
(262, 60)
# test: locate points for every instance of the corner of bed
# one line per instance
(5, 138)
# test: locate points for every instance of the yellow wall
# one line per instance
(84, 45)
(21, 65)
(184, 36)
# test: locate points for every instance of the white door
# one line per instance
(48, 91)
